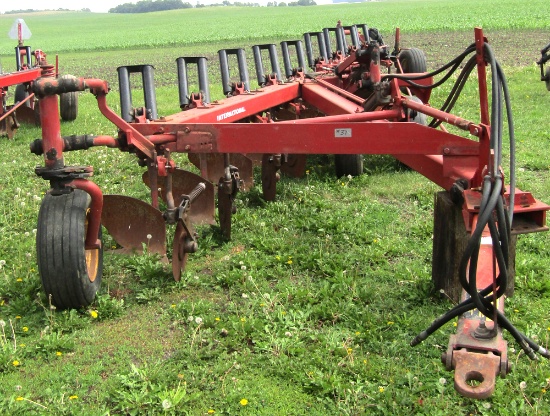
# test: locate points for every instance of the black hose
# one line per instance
(512, 135)
(454, 64)
(456, 90)
(491, 205)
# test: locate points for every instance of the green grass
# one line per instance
(309, 309)
(55, 33)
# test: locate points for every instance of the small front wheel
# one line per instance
(71, 275)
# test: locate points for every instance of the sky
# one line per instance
(98, 6)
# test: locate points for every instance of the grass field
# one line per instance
(55, 33)
(311, 306)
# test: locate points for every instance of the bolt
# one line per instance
(476, 131)
(186, 130)
(446, 151)
(187, 147)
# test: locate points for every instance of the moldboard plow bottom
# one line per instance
(353, 96)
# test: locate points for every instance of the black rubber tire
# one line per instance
(412, 61)
(419, 118)
(547, 78)
(71, 275)
(20, 94)
(68, 103)
(348, 165)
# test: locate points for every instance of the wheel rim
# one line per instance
(92, 263)
(92, 255)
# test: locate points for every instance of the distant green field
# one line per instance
(65, 32)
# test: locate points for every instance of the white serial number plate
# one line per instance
(342, 133)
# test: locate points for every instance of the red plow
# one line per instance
(28, 65)
(353, 96)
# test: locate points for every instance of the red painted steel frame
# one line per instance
(441, 156)
(19, 77)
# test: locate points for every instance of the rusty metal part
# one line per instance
(202, 210)
(227, 190)
(65, 173)
(212, 166)
(477, 352)
(529, 213)
(475, 373)
(179, 254)
(270, 175)
(476, 361)
(294, 165)
(28, 103)
(225, 210)
(8, 126)
(185, 238)
(134, 224)
(28, 115)
(54, 86)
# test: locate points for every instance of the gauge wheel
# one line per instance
(71, 274)
(20, 94)
(68, 103)
(348, 165)
(412, 61)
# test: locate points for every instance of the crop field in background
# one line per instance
(311, 306)
(64, 32)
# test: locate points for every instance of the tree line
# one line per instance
(146, 6)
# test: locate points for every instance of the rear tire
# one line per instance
(547, 78)
(71, 275)
(412, 61)
(348, 165)
(68, 103)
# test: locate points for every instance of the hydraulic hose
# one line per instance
(491, 206)
(454, 64)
